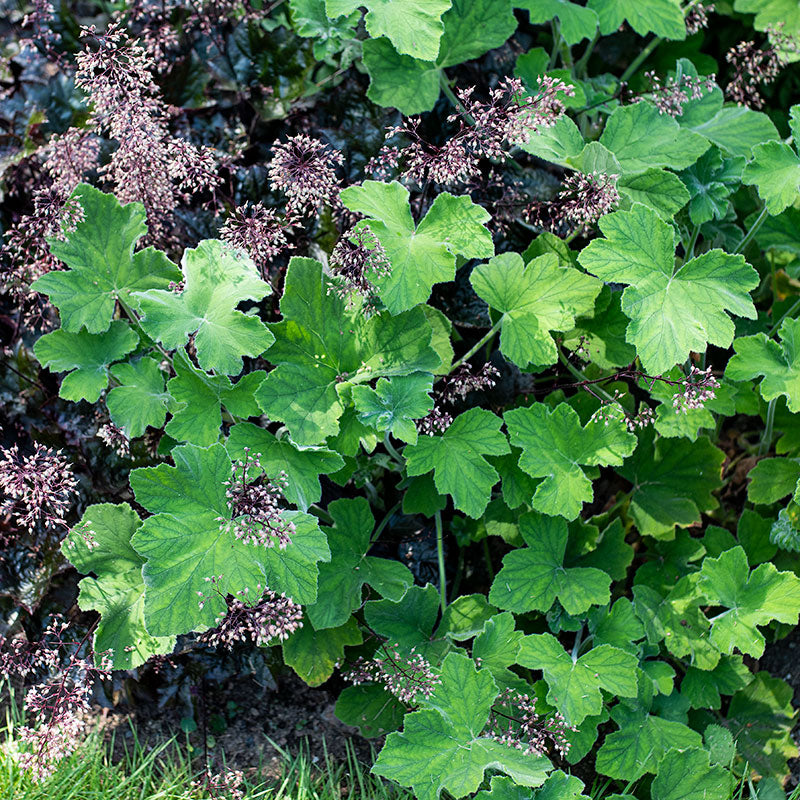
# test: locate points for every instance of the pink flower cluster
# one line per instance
(257, 231)
(753, 67)
(270, 617)
(581, 202)
(65, 671)
(150, 165)
(304, 169)
(408, 676)
(698, 388)
(453, 388)
(358, 258)
(486, 128)
(254, 503)
(514, 722)
(672, 95)
(38, 489)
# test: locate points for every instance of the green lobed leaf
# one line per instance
(561, 786)
(678, 621)
(761, 718)
(421, 496)
(751, 599)
(734, 129)
(371, 709)
(86, 357)
(772, 479)
(774, 15)
(503, 788)
(640, 743)
(496, 647)
(412, 84)
(710, 182)
(620, 627)
(310, 20)
(457, 459)
(409, 621)
(556, 447)
(673, 481)
(322, 347)
(393, 405)
(777, 362)
(556, 143)
(661, 17)
(720, 745)
(414, 27)
(775, 172)
(518, 487)
(657, 189)
(465, 617)
(603, 333)
(673, 421)
(673, 311)
(534, 299)
(216, 281)
(687, 775)
(442, 747)
(577, 22)
(472, 28)
(301, 466)
(399, 81)
(423, 255)
(313, 654)
(785, 531)
(350, 568)
(532, 578)
(185, 545)
(101, 544)
(102, 267)
(574, 685)
(641, 139)
(703, 687)
(604, 549)
(139, 400)
(198, 396)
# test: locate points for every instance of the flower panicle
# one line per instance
(408, 676)
(270, 617)
(38, 489)
(515, 722)
(256, 516)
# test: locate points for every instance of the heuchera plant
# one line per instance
(587, 425)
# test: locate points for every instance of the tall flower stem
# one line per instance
(392, 451)
(641, 58)
(748, 237)
(487, 557)
(692, 243)
(384, 522)
(440, 556)
(134, 318)
(788, 313)
(580, 64)
(451, 96)
(556, 28)
(579, 376)
(766, 438)
(468, 355)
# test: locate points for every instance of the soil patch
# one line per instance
(253, 726)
